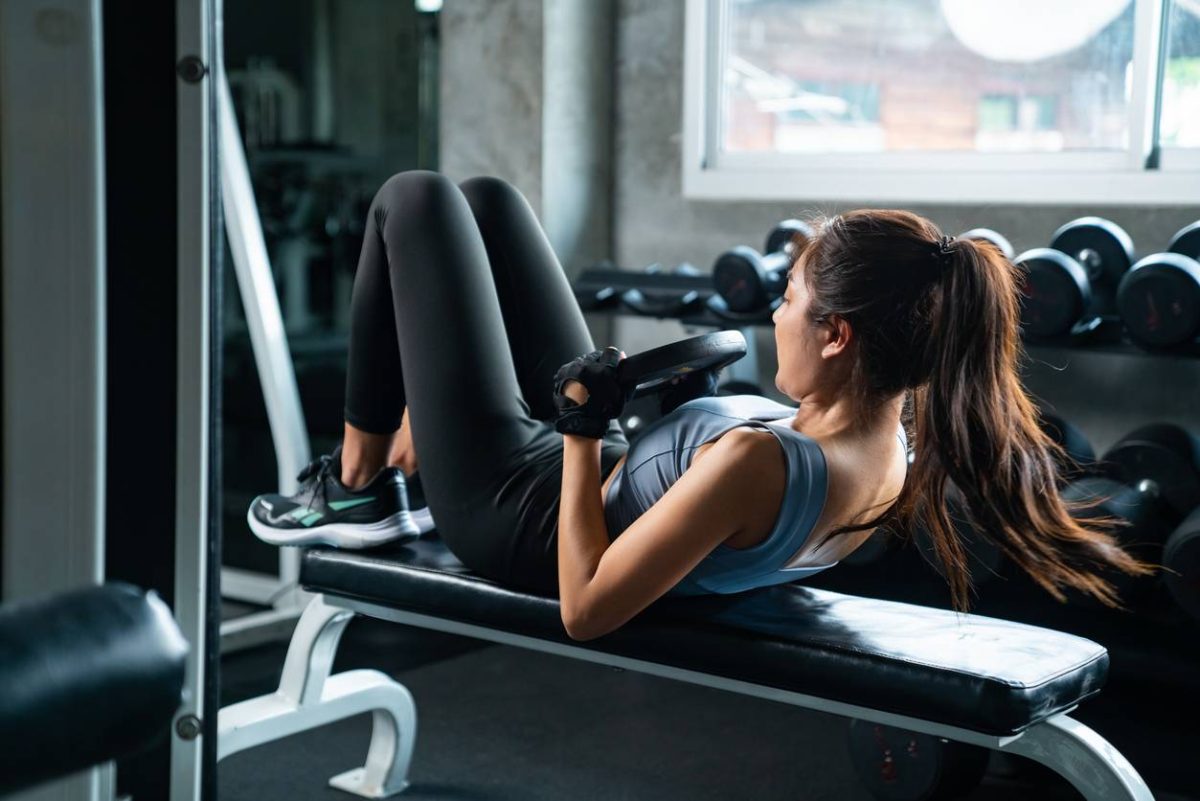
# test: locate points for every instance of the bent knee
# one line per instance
(485, 191)
(416, 188)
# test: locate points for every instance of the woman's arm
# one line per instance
(603, 585)
(582, 532)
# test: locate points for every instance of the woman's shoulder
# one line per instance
(749, 407)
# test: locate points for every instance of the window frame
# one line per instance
(1130, 177)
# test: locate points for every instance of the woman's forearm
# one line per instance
(582, 533)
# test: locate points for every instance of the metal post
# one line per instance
(194, 62)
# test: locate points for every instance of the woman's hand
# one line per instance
(588, 395)
(576, 391)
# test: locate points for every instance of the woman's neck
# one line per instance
(837, 421)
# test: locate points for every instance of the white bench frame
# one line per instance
(308, 697)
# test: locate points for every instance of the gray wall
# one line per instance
(527, 96)
(493, 132)
(492, 94)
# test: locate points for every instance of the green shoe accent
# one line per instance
(314, 517)
(338, 506)
(299, 513)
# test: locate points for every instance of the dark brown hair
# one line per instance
(939, 318)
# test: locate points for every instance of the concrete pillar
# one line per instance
(526, 94)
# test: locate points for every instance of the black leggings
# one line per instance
(462, 312)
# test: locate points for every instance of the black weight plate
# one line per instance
(988, 235)
(1159, 300)
(738, 277)
(1181, 557)
(1165, 453)
(785, 234)
(650, 369)
(1103, 249)
(1187, 241)
(895, 764)
(1056, 293)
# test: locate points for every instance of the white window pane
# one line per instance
(869, 76)
(1181, 86)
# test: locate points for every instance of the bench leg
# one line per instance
(309, 697)
(1083, 757)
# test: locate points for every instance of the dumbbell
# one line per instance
(596, 296)
(748, 281)
(1159, 298)
(1071, 285)
(895, 764)
(1151, 480)
(663, 302)
(1181, 558)
(988, 235)
(598, 289)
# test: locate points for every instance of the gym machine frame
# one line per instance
(195, 49)
(277, 376)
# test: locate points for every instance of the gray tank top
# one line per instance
(664, 451)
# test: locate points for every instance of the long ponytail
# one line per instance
(940, 317)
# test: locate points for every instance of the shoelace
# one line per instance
(320, 468)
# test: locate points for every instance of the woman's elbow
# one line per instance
(579, 628)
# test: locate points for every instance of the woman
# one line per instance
(461, 316)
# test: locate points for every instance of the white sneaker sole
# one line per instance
(423, 519)
(340, 535)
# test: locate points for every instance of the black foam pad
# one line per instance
(85, 677)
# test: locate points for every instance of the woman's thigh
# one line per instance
(471, 429)
(483, 317)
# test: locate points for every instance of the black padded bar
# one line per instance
(85, 676)
(977, 673)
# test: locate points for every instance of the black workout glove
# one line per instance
(597, 371)
(696, 384)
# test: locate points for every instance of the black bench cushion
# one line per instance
(977, 673)
(86, 676)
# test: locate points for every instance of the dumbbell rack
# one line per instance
(687, 297)
(693, 301)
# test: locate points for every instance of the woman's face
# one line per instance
(799, 341)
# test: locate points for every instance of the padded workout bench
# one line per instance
(1001, 685)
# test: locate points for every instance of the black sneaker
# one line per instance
(324, 511)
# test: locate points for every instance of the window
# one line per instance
(1036, 101)
(1179, 126)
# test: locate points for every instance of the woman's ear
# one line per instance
(838, 334)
